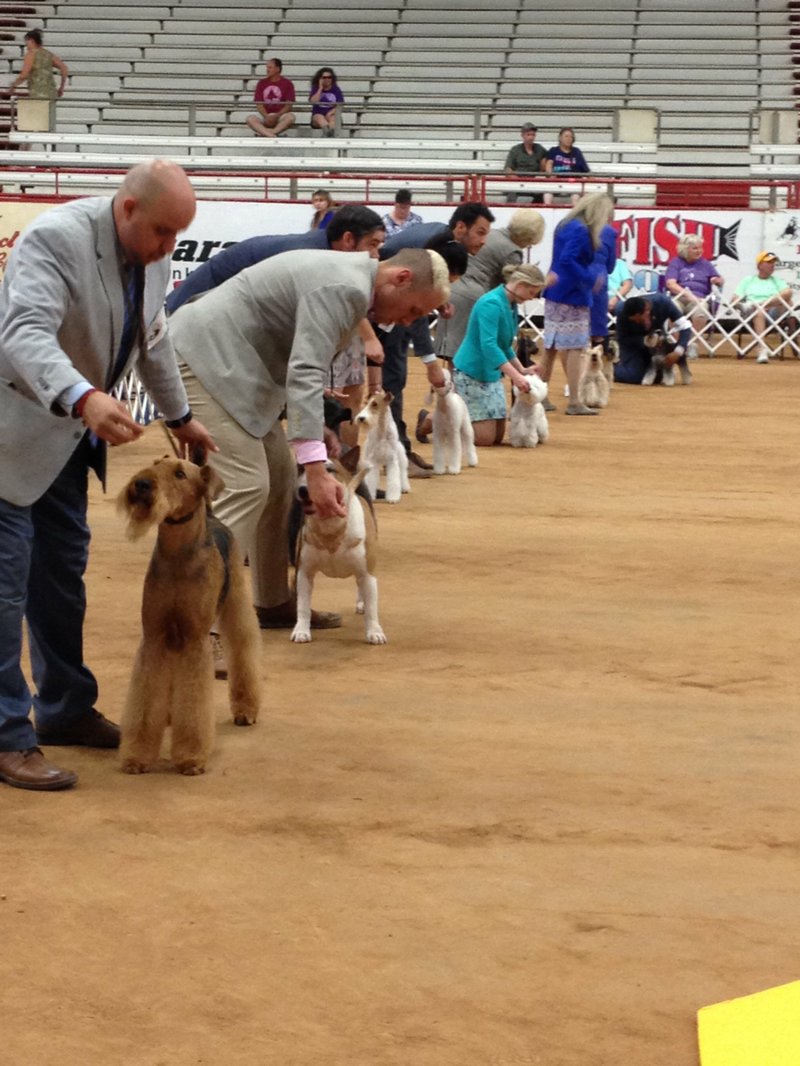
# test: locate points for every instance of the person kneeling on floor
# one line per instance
(642, 360)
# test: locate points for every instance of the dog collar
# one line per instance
(180, 521)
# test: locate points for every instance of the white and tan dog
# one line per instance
(594, 387)
(453, 435)
(382, 448)
(529, 425)
(339, 547)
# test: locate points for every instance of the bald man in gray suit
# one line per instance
(81, 302)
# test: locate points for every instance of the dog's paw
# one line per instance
(135, 766)
(244, 718)
(301, 635)
(453, 470)
(376, 636)
(190, 768)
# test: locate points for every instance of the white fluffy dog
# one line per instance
(453, 435)
(594, 387)
(382, 448)
(529, 425)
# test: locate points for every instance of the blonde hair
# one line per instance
(594, 211)
(526, 227)
(687, 241)
(428, 267)
(524, 272)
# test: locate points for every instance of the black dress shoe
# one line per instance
(29, 769)
(284, 616)
(92, 730)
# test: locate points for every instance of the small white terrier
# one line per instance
(339, 547)
(594, 388)
(529, 425)
(453, 435)
(382, 448)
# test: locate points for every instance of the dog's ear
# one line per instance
(198, 455)
(213, 482)
(350, 459)
(388, 398)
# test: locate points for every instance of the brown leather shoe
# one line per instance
(284, 616)
(92, 730)
(423, 464)
(423, 438)
(29, 769)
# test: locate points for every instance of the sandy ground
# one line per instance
(556, 815)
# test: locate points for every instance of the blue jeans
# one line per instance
(394, 372)
(44, 549)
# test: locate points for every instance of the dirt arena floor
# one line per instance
(556, 815)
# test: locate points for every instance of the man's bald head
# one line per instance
(154, 203)
(410, 285)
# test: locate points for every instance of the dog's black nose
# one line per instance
(302, 492)
(143, 484)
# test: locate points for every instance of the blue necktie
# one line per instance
(133, 295)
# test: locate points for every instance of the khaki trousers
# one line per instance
(260, 476)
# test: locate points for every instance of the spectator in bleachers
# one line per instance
(486, 354)
(565, 159)
(325, 97)
(38, 70)
(401, 216)
(761, 297)
(526, 159)
(274, 97)
(639, 321)
(689, 278)
(620, 283)
(324, 209)
(568, 296)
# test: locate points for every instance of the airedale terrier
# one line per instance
(195, 575)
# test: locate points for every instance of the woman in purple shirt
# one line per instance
(688, 280)
(325, 97)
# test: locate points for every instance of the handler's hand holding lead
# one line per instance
(327, 494)
(109, 419)
(194, 435)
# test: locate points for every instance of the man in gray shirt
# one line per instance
(526, 159)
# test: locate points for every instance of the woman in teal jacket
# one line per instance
(486, 355)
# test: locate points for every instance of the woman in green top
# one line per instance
(37, 69)
(486, 355)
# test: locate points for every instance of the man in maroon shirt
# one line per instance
(273, 98)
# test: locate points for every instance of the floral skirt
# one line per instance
(565, 326)
(484, 399)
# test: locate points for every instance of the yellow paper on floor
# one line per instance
(758, 1030)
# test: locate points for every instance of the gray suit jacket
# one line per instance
(61, 319)
(484, 272)
(266, 337)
